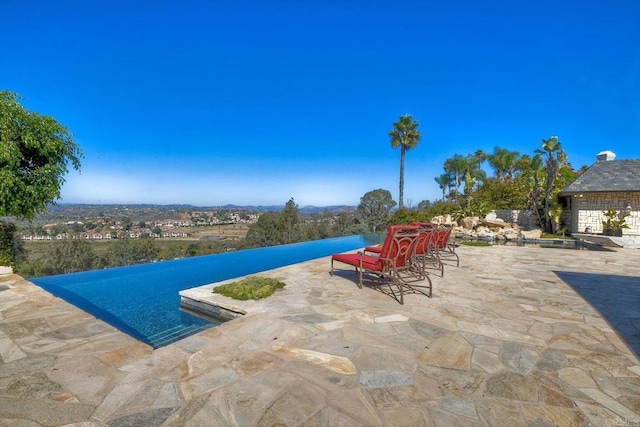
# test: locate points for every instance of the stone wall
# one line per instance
(588, 211)
(525, 219)
(583, 212)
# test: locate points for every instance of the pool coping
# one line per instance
(202, 301)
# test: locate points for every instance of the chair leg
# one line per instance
(396, 280)
(430, 287)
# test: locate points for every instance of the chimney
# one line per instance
(606, 155)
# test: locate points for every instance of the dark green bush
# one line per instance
(11, 247)
(406, 216)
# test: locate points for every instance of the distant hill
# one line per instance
(138, 212)
(309, 209)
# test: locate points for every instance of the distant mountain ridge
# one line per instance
(309, 209)
(145, 211)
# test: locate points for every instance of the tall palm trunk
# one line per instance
(401, 195)
(552, 172)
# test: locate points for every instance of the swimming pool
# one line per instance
(143, 301)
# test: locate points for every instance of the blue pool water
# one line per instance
(142, 300)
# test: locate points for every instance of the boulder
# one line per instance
(466, 234)
(483, 233)
(491, 216)
(468, 223)
(511, 233)
(494, 222)
(531, 234)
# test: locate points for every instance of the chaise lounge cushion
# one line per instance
(368, 262)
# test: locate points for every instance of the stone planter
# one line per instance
(612, 232)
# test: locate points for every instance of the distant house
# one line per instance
(607, 184)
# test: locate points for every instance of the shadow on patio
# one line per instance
(617, 298)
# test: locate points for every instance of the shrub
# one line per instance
(11, 247)
(406, 216)
(251, 288)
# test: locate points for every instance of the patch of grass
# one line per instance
(475, 243)
(555, 236)
(251, 288)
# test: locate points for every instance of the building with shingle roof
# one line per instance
(607, 184)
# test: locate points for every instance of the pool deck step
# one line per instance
(174, 334)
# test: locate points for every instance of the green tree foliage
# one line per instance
(424, 205)
(407, 216)
(11, 247)
(128, 251)
(290, 226)
(444, 182)
(456, 166)
(277, 228)
(504, 163)
(405, 134)
(442, 208)
(68, 256)
(500, 194)
(474, 176)
(178, 251)
(317, 227)
(290, 218)
(127, 223)
(34, 153)
(267, 231)
(375, 208)
(554, 159)
(347, 223)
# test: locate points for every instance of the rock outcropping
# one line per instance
(487, 228)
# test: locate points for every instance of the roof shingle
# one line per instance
(607, 176)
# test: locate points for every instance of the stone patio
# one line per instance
(514, 336)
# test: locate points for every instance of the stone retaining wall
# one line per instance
(525, 219)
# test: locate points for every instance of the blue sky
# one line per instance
(216, 102)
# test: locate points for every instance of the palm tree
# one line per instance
(474, 175)
(535, 166)
(443, 181)
(555, 159)
(456, 165)
(504, 162)
(406, 136)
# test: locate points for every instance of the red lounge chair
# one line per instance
(394, 260)
(445, 250)
(425, 251)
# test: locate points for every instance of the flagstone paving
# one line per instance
(514, 336)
